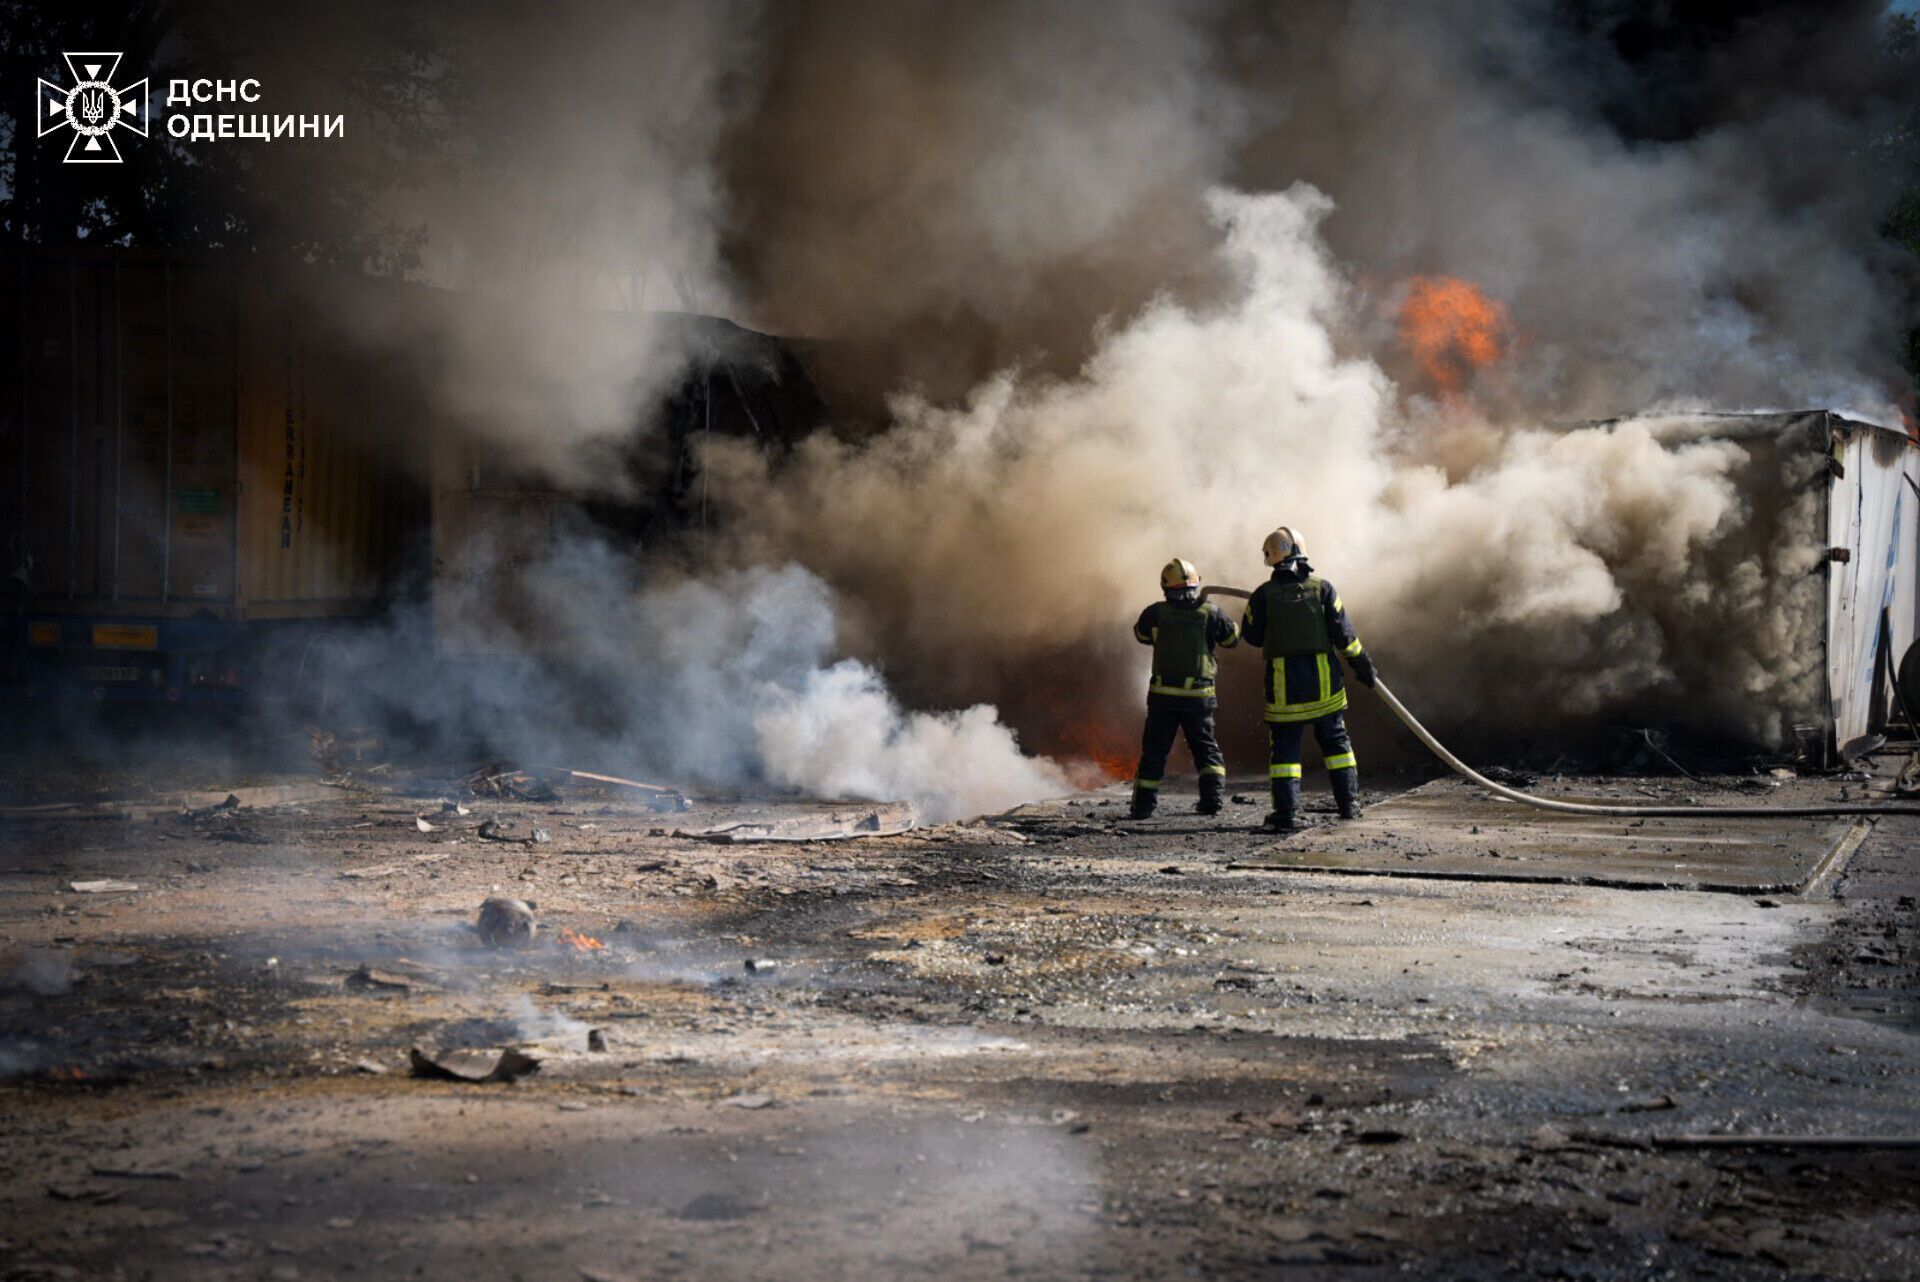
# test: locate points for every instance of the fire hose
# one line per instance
(1466, 771)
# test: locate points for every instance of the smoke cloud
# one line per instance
(569, 197)
(1517, 573)
(1097, 287)
(726, 678)
(1593, 557)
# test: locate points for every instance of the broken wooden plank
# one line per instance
(387, 870)
(616, 780)
(886, 821)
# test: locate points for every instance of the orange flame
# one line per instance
(1101, 745)
(67, 1074)
(579, 942)
(1452, 329)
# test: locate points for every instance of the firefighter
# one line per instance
(1301, 627)
(1184, 631)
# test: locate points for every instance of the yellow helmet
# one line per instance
(1281, 544)
(1179, 574)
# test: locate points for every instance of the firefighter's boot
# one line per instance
(1144, 800)
(1346, 792)
(1213, 794)
(1286, 806)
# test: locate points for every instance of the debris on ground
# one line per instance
(507, 923)
(716, 1206)
(231, 803)
(659, 797)
(502, 780)
(1656, 1105)
(366, 979)
(748, 1099)
(471, 1066)
(136, 1173)
(102, 886)
(884, 821)
(494, 830)
(388, 870)
(784, 1031)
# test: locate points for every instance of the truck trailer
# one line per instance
(212, 488)
(202, 479)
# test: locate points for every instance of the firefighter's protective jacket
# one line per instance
(1183, 638)
(1300, 624)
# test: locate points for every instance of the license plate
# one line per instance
(125, 636)
(109, 674)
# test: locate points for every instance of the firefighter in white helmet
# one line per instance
(1184, 631)
(1301, 626)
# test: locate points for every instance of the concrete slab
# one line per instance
(1450, 830)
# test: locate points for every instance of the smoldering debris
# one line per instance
(507, 923)
(473, 1067)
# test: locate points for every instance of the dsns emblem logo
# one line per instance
(93, 108)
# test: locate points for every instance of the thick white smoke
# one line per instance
(584, 201)
(744, 685)
(724, 679)
(1035, 514)
(1012, 198)
(842, 733)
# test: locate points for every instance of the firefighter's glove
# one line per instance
(1363, 669)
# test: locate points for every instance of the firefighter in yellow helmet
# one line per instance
(1184, 631)
(1300, 624)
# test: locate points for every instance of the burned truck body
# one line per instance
(1834, 506)
(212, 490)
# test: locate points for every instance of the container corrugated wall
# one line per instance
(326, 500)
(121, 486)
(181, 439)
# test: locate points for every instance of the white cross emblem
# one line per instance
(93, 108)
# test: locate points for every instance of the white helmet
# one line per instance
(1283, 543)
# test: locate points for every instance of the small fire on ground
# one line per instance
(1111, 753)
(579, 942)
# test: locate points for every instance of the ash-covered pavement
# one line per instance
(1060, 1044)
